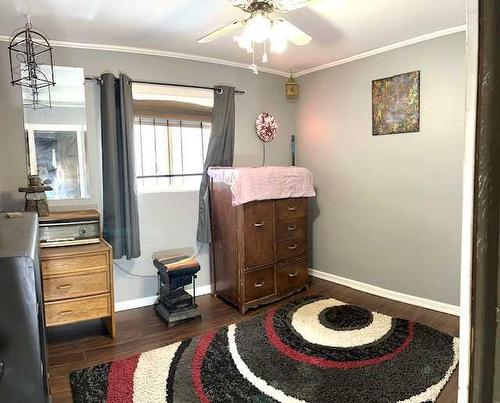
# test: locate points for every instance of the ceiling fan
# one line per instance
(261, 28)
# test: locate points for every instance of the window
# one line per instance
(171, 131)
(56, 137)
(169, 153)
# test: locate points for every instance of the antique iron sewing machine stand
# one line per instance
(174, 304)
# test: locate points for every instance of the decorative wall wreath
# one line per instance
(266, 127)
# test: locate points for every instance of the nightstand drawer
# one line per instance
(64, 287)
(78, 309)
(67, 265)
(295, 247)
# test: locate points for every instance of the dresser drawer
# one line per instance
(66, 265)
(290, 208)
(291, 248)
(72, 286)
(259, 248)
(259, 284)
(78, 309)
(294, 228)
(291, 276)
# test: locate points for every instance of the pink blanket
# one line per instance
(262, 183)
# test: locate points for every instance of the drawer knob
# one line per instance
(292, 247)
(294, 274)
(292, 227)
(64, 286)
(62, 313)
(258, 285)
(292, 208)
(258, 224)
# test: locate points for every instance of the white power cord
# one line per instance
(154, 276)
(132, 274)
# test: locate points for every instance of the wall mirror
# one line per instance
(56, 137)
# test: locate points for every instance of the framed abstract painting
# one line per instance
(396, 104)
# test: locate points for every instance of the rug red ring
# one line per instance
(199, 355)
(233, 363)
(121, 380)
(289, 352)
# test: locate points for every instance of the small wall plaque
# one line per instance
(292, 88)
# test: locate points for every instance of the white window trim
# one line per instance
(180, 189)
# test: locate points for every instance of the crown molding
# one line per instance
(155, 52)
(396, 45)
(187, 56)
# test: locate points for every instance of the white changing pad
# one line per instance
(263, 183)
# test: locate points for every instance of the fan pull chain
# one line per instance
(253, 66)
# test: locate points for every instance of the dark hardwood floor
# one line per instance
(140, 330)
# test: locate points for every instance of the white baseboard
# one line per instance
(135, 303)
(147, 301)
(357, 285)
(382, 292)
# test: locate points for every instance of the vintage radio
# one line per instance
(69, 228)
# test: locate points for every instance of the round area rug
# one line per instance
(315, 349)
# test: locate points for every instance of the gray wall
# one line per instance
(389, 206)
(168, 220)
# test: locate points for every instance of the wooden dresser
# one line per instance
(259, 249)
(78, 284)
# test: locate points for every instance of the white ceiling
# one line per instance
(339, 28)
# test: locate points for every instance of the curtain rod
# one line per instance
(168, 84)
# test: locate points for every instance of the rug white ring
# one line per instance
(306, 322)
(247, 373)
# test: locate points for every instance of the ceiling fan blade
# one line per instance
(290, 5)
(221, 31)
(294, 34)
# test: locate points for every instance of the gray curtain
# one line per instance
(120, 214)
(220, 153)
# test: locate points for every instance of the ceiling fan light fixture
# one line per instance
(258, 27)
